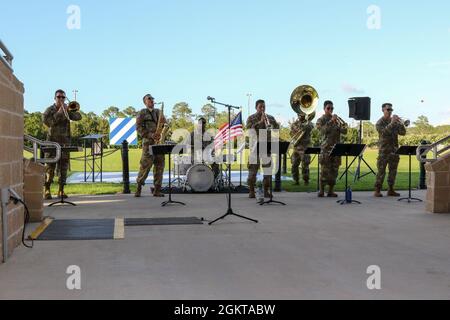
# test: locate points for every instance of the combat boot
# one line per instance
(378, 193)
(47, 193)
(138, 191)
(252, 194)
(331, 193)
(321, 190)
(267, 183)
(392, 193)
(61, 193)
(157, 193)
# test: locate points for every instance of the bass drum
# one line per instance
(200, 178)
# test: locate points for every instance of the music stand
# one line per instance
(408, 151)
(283, 149)
(316, 151)
(347, 150)
(163, 150)
(61, 200)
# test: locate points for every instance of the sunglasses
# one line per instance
(390, 110)
(60, 97)
(330, 108)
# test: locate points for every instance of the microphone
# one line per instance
(211, 99)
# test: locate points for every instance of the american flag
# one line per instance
(237, 130)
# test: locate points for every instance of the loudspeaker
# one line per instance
(359, 108)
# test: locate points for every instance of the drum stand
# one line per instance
(230, 211)
(178, 180)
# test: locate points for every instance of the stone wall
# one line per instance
(11, 151)
(438, 182)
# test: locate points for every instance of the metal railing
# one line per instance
(5, 56)
(422, 151)
(35, 150)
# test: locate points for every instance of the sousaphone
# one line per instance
(304, 100)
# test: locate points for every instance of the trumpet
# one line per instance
(266, 121)
(405, 122)
(341, 122)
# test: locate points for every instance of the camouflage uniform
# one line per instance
(253, 122)
(331, 133)
(388, 145)
(59, 132)
(299, 156)
(146, 124)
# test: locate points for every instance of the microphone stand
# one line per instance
(230, 211)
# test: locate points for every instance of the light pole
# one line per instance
(75, 94)
(249, 95)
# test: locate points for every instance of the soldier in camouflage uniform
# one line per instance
(331, 131)
(200, 140)
(146, 124)
(389, 128)
(257, 122)
(299, 156)
(58, 131)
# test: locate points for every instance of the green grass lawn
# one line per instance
(366, 184)
(113, 163)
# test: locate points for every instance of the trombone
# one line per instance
(73, 106)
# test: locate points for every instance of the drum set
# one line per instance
(200, 177)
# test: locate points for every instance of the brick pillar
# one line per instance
(11, 151)
(438, 183)
(33, 191)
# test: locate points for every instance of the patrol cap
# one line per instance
(148, 95)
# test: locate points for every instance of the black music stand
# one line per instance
(163, 150)
(408, 151)
(347, 150)
(61, 200)
(316, 151)
(283, 149)
(230, 211)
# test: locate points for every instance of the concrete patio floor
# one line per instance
(310, 249)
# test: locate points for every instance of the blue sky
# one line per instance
(185, 50)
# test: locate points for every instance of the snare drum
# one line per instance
(200, 178)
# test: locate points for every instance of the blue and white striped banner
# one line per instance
(121, 129)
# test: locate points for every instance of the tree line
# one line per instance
(182, 117)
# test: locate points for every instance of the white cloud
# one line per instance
(348, 88)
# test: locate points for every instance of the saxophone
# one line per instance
(163, 128)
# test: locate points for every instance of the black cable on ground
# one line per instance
(25, 222)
